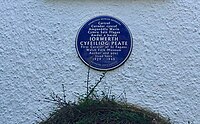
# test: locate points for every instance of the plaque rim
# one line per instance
(107, 69)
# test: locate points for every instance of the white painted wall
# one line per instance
(37, 55)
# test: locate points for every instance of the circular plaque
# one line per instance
(104, 43)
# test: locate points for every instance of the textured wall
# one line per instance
(37, 55)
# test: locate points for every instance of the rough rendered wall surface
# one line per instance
(37, 55)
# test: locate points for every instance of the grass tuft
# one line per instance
(92, 108)
(102, 111)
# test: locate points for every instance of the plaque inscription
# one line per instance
(104, 43)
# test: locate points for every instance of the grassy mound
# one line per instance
(92, 108)
(102, 111)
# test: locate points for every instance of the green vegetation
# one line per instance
(102, 111)
(92, 108)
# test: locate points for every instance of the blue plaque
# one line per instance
(104, 43)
